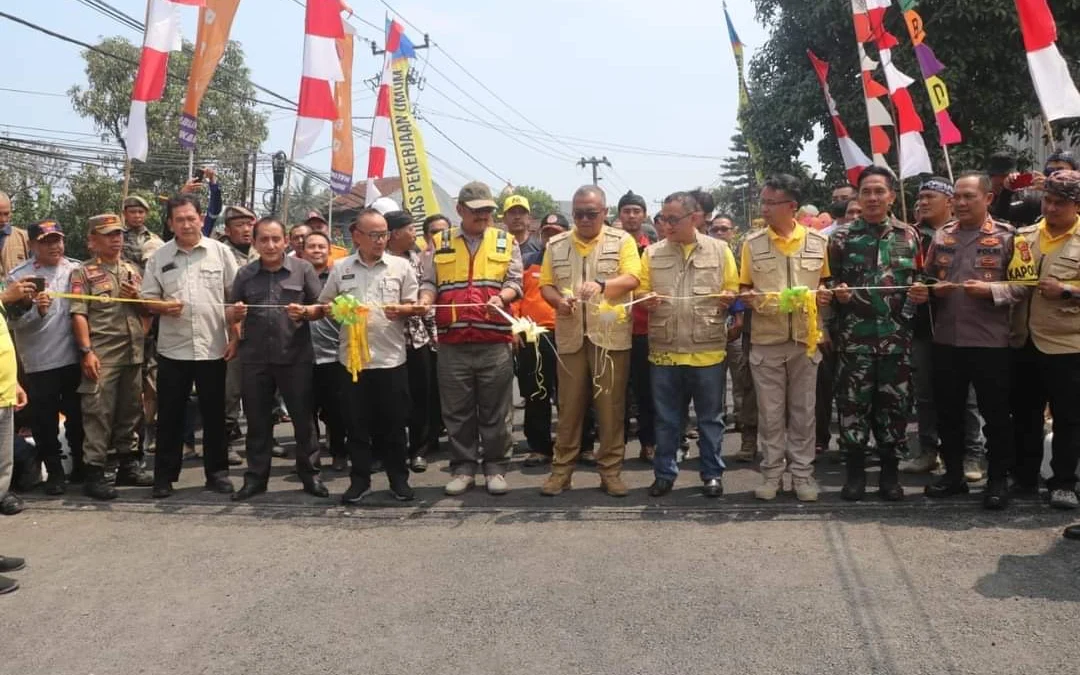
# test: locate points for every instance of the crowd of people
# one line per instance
(969, 319)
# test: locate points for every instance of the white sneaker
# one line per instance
(1064, 499)
(496, 485)
(973, 472)
(459, 485)
(806, 489)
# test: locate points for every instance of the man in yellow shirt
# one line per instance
(784, 255)
(12, 398)
(581, 268)
(693, 280)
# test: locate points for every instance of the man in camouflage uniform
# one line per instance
(109, 336)
(874, 330)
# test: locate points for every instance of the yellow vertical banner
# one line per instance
(341, 160)
(215, 22)
(417, 190)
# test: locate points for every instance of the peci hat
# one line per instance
(395, 220)
(476, 195)
(556, 220)
(514, 201)
(135, 200)
(631, 199)
(232, 212)
(43, 229)
(106, 223)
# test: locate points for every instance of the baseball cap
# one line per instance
(314, 216)
(135, 200)
(39, 231)
(238, 212)
(516, 200)
(476, 195)
(105, 223)
(556, 220)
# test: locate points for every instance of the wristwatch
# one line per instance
(86, 350)
(1067, 293)
(603, 285)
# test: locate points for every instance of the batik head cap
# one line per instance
(938, 184)
(1065, 184)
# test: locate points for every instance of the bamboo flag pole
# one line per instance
(948, 162)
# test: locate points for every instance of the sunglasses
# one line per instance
(587, 215)
(720, 229)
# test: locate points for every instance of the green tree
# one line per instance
(229, 127)
(738, 191)
(305, 198)
(978, 41)
(90, 192)
(30, 175)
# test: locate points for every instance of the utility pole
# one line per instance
(595, 163)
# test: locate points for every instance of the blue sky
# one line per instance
(611, 72)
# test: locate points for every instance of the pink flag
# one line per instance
(1053, 83)
(322, 68)
(162, 36)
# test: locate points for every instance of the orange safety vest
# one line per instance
(533, 305)
(462, 278)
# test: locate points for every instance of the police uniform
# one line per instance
(111, 405)
(971, 340)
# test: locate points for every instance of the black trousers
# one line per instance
(378, 410)
(424, 418)
(641, 387)
(538, 383)
(52, 392)
(259, 384)
(987, 369)
(329, 389)
(174, 386)
(1039, 379)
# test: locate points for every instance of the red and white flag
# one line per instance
(162, 36)
(1053, 83)
(381, 132)
(855, 160)
(322, 68)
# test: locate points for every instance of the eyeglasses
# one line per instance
(376, 236)
(587, 215)
(720, 228)
(674, 220)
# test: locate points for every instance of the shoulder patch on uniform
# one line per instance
(1029, 229)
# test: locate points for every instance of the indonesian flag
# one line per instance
(322, 68)
(381, 133)
(162, 36)
(1053, 84)
(855, 160)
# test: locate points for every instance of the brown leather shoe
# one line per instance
(614, 486)
(648, 453)
(555, 484)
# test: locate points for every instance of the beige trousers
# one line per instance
(786, 382)
(576, 394)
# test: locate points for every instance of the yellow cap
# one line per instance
(516, 200)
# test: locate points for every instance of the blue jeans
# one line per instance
(671, 387)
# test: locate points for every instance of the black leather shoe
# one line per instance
(418, 465)
(891, 492)
(713, 488)
(97, 485)
(248, 490)
(947, 487)
(161, 490)
(660, 487)
(1072, 532)
(355, 494)
(8, 564)
(854, 489)
(315, 488)
(134, 476)
(996, 495)
(402, 491)
(340, 464)
(8, 585)
(222, 485)
(889, 488)
(54, 487)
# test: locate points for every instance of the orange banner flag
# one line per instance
(341, 161)
(215, 22)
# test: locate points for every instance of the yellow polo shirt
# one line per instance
(698, 359)
(9, 367)
(1050, 244)
(787, 246)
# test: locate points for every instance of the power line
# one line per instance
(464, 151)
(33, 93)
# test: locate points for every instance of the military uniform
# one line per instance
(111, 405)
(873, 384)
(139, 245)
(971, 339)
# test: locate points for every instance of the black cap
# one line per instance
(631, 199)
(45, 228)
(555, 220)
(395, 220)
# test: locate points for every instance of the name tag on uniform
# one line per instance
(990, 241)
(346, 277)
(168, 268)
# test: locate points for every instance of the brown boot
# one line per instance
(555, 484)
(614, 486)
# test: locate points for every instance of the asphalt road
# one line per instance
(522, 584)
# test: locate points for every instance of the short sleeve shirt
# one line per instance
(200, 278)
(116, 328)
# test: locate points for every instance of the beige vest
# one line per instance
(570, 271)
(688, 326)
(772, 271)
(1053, 325)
